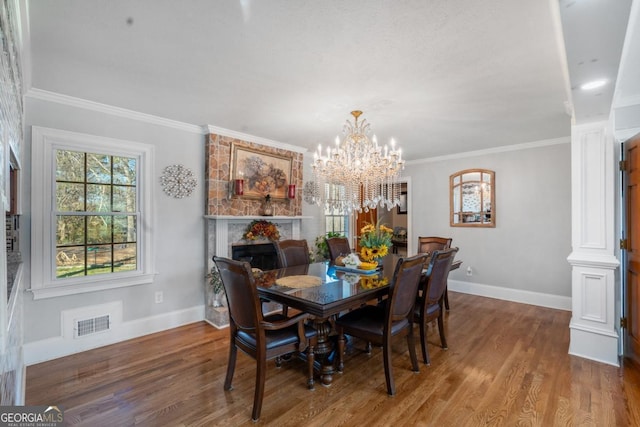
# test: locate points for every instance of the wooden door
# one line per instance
(363, 219)
(632, 200)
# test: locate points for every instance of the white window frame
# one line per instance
(45, 141)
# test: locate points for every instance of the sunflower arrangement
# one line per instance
(375, 241)
(261, 228)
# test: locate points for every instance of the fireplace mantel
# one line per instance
(225, 230)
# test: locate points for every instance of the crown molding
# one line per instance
(207, 129)
(504, 149)
(622, 135)
(45, 95)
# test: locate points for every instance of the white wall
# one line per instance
(179, 231)
(527, 250)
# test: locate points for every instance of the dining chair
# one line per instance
(430, 299)
(338, 246)
(260, 337)
(379, 323)
(292, 252)
(426, 245)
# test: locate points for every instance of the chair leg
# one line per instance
(446, 298)
(443, 339)
(278, 361)
(231, 366)
(412, 350)
(423, 342)
(368, 348)
(310, 360)
(388, 372)
(259, 392)
(340, 349)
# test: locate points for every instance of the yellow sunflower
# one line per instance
(366, 254)
(382, 251)
(369, 228)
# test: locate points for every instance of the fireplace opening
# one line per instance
(259, 255)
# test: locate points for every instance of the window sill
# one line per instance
(52, 291)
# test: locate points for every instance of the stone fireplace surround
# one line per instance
(228, 217)
(223, 231)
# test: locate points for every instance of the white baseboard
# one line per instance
(52, 348)
(510, 294)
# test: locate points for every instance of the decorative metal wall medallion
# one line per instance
(178, 181)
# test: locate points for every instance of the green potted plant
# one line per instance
(217, 289)
(322, 249)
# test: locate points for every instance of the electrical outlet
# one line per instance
(159, 297)
(469, 271)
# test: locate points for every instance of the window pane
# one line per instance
(125, 257)
(98, 198)
(98, 168)
(124, 170)
(70, 262)
(95, 244)
(124, 229)
(69, 230)
(98, 229)
(99, 259)
(124, 199)
(69, 197)
(69, 166)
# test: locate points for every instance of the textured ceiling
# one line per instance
(441, 77)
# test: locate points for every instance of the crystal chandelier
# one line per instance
(360, 174)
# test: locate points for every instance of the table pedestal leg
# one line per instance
(323, 351)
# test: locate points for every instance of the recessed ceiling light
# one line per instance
(593, 84)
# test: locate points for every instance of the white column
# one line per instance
(593, 327)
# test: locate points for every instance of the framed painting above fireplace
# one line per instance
(263, 173)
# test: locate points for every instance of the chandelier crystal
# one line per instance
(361, 175)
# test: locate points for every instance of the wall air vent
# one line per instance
(92, 326)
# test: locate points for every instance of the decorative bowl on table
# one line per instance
(368, 265)
(351, 261)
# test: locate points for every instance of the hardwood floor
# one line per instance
(507, 365)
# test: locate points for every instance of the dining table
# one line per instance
(338, 290)
(333, 290)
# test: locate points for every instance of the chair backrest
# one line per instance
(242, 295)
(404, 288)
(439, 266)
(338, 246)
(292, 252)
(430, 244)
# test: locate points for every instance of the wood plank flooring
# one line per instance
(507, 365)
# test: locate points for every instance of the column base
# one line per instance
(600, 346)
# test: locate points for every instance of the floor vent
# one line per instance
(92, 326)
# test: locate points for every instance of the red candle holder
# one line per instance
(291, 194)
(239, 187)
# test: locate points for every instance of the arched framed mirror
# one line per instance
(473, 198)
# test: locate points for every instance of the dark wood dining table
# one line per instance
(341, 290)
